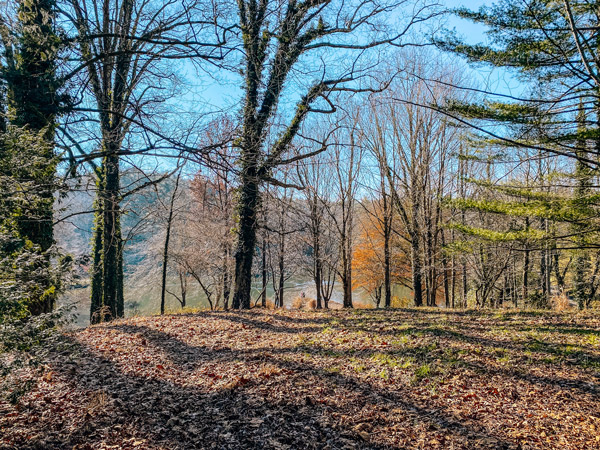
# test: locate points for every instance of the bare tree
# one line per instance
(165, 261)
(277, 42)
(121, 45)
(283, 227)
(415, 145)
(319, 237)
(347, 159)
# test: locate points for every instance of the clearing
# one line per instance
(329, 380)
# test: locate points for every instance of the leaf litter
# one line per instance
(418, 379)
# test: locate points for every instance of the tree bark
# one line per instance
(416, 271)
(526, 263)
(317, 263)
(264, 273)
(465, 285)
(387, 257)
(318, 271)
(111, 248)
(346, 274)
(248, 203)
(445, 266)
(97, 272)
(281, 267)
(165, 261)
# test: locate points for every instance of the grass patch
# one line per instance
(422, 372)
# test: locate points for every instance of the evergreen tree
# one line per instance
(552, 47)
(582, 289)
(33, 103)
(27, 279)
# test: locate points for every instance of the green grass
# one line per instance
(422, 372)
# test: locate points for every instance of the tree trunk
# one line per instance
(111, 249)
(560, 279)
(465, 285)
(453, 282)
(387, 261)
(107, 299)
(317, 265)
(582, 284)
(281, 268)
(226, 278)
(325, 292)
(445, 266)
(264, 273)
(248, 202)
(416, 271)
(318, 282)
(120, 297)
(166, 250)
(548, 274)
(346, 274)
(347, 287)
(183, 287)
(97, 272)
(543, 270)
(525, 270)
(317, 279)
(429, 260)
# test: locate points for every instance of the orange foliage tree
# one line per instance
(368, 259)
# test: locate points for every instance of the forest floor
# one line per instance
(423, 379)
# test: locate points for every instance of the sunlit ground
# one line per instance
(339, 379)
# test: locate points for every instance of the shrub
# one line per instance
(400, 302)
(26, 343)
(304, 303)
(270, 304)
(32, 272)
(560, 302)
(363, 306)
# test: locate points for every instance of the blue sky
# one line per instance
(497, 80)
(221, 89)
(465, 27)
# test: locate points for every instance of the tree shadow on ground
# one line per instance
(249, 319)
(574, 355)
(300, 404)
(387, 399)
(161, 413)
(158, 413)
(188, 356)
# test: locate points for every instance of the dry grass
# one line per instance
(270, 304)
(304, 303)
(363, 306)
(297, 303)
(560, 302)
(401, 302)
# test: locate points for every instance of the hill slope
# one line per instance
(339, 379)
